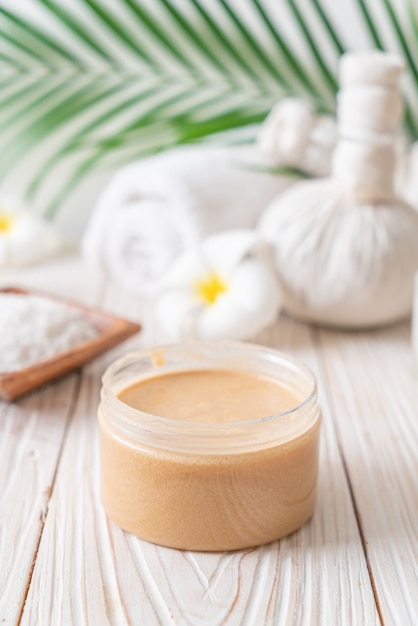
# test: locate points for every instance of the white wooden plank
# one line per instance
(324, 569)
(375, 400)
(88, 571)
(31, 434)
(73, 571)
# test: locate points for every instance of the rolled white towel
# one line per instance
(153, 208)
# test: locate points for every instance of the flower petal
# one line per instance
(174, 310)
(254, 286)
(186, 270)
(250, 301)
(31, 239)
(225, 319)
(225, 250)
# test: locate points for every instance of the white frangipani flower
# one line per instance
(223, 289)
(24, 236)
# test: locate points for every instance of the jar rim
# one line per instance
(132, 421)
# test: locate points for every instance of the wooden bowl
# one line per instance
(112, 331)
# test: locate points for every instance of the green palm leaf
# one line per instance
(90, 86)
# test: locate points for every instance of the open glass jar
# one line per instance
(209, 486)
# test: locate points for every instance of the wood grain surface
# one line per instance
(355, 563)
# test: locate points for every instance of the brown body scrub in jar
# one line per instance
(212, 447)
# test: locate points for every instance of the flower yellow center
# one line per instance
(209, 288)
(6, 222)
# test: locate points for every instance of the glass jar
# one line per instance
(209, 486)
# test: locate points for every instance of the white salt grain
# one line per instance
(34, 328)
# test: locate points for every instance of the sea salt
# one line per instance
(35, 328)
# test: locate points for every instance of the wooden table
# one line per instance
(355, 563)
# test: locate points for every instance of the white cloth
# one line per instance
(365, 170)
(369, 102)
(346, 247)
(293, 135)
(370, 67)
(369, 109)
(408, 175)
(342, 262)
(156, 207)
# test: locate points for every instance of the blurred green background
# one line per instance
(87, 85)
